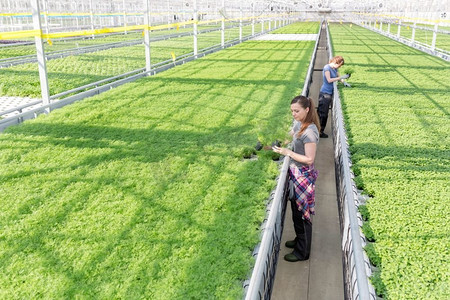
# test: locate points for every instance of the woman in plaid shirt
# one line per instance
(302, 174)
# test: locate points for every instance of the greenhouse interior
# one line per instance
(200, 149)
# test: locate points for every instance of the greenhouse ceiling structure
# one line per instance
(65, 14)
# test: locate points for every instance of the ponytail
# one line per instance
(311, 117)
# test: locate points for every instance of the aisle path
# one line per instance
(321, 277)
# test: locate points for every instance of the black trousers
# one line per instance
(323, 108)
(303, 233)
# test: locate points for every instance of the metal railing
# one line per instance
(261, 281)
(356, 263)
(441, 53)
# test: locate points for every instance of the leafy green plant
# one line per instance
(378, 284)
(245, 152)
(274, 155)
(368, 233)
(364, 211)
(348, 70)
(359, 183)
(372, 254)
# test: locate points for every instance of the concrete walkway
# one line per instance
(320, 277)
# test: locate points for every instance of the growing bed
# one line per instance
(142, 192)
(397, 117)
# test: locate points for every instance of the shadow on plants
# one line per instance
(387, 64)
(146, 146)
(376, 262)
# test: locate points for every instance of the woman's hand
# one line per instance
(282, 151)
(307, 159)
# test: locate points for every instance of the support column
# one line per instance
(46, 16)
(399, 28)
(92, 17)
(10, 17)
(124, 16)
(413, 35)
(168, 12)
(223, 25)
(240, 22)
(40, 53)
(148, 65)
(253, 18)
(195, 29)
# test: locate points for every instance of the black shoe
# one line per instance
(323, 135)
(258, 146)
(292, 258)
(290, 244)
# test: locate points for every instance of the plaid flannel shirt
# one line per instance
(304, 182)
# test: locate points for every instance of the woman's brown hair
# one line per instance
(339, 60)
(311, 117)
